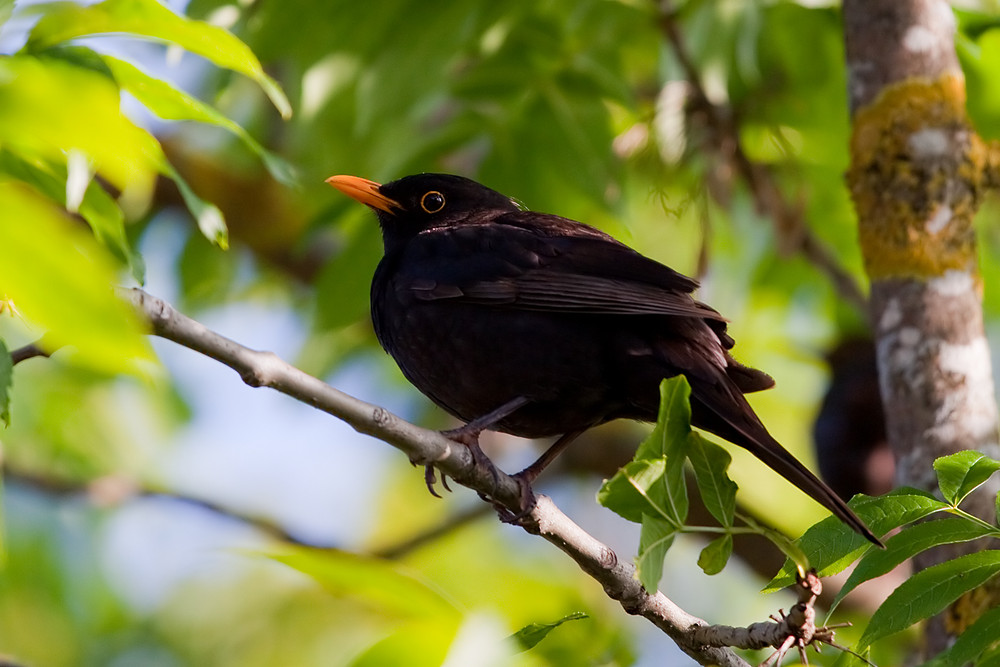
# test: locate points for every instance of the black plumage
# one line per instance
(538, 325)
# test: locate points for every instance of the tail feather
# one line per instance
(725, 412)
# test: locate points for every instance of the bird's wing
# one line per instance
(562, 266)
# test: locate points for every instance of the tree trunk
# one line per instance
(917, 175)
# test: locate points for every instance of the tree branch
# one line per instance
(36, 349)
(791, 230)
(265, 369)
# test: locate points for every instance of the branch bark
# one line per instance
(265, 369)
(918, 172)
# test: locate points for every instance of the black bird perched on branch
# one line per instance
(537, 325)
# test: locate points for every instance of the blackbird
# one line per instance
(537, 325)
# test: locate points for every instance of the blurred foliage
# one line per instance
(164, 138)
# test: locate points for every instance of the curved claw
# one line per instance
(430, 479)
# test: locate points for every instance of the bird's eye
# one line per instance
(432, 202)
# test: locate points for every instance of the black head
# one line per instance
(407, 206)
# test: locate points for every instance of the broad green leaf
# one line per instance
(529, 636)
(420, 643)
(673, 424)
(61, 279)
(716, 554)
(100, 211)
(908, 543)
(928, 592)
(961, 473)
(640, 489)
(63, 21)
(50, 107)
(6, 380)
(976, 639)
(655, 539)
(718, 492)
(171, 103)
(386, 586)
(831, 546)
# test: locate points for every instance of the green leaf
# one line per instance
(673, 423)
(207, 215)
(386, 586)
(831, 546)
(976, 639)
(50, 108)
(655, 539)
(642, 488)
(6, 381)
(61, 280)
(62, 21)
(418, 643)
(963, 472)
(716, 554)
(928, 592)
(908, 543)
(529, 636)
(718, 492)
(171, 103)
(98, 208)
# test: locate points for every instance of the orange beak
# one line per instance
(364, 191)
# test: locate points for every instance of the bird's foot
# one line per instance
(527, 499)
(468, 435)
(430, 479)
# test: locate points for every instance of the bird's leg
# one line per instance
(531, 473)
(468, 435)
(526, 477)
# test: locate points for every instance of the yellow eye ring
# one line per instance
(432, 202)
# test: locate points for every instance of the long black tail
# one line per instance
(721, 409)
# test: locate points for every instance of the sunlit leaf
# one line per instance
(61, 280)
(908, 543)
(207, 215)
(421, 643)
(637, 490)
(718, 492)
(673, 425)
(385, 585)
(171, 103)
(64, 21)
(100, 211)
(529, 636)
(961, 473)
(928, 592)
(831, 545)
(50, 107)
(715, 555)
(655, 539)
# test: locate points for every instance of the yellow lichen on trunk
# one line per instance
(916, 177)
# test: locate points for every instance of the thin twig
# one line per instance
(114, 490)
(37, 349)
(446, 527)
